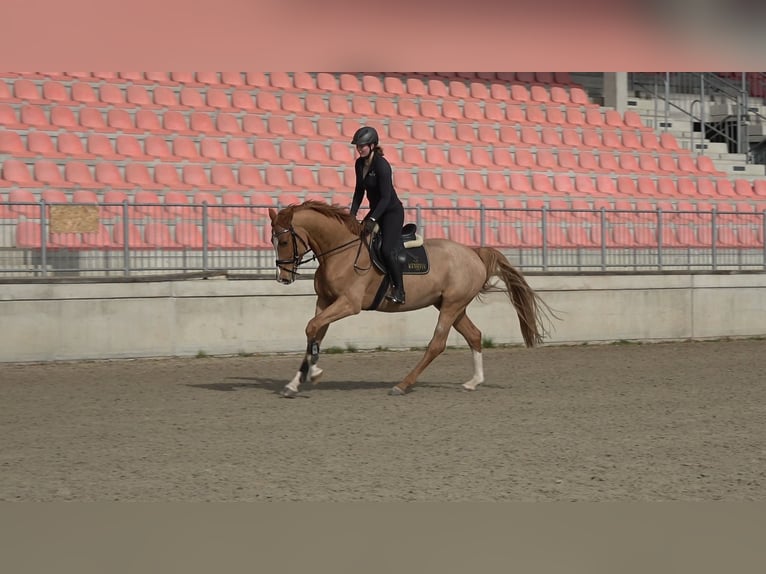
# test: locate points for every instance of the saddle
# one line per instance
(413, 259)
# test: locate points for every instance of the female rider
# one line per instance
(373, 175)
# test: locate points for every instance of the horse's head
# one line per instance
(289, 245)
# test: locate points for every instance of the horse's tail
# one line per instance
(529, 306)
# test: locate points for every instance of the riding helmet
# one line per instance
(365, 136)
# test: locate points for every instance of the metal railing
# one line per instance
(144, 239)
(692, 95)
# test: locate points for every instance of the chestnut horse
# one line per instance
(346, 282)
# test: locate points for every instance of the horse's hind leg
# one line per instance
(472, 335)
(436, 346)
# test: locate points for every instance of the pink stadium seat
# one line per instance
(669, 142)
(559, 95)
(488, 134)
(568, 161)
(188, 235)
(629, 163)
(100, 239)
(445, 132)
(588, 161)
(139, 96)
(519, 184)
(100, 146)
(686, 164)
(519, 93)
(166, 175)
(633, 120)
(428, 182)
(93, 119)
(61, 117)
(759, 187)
(611, 140)
(743, 188)
(500, 92)
(134, 238)
(705, 165)
(130, 147)
(159, 235)
(420, 132)
(202, 122)
(111, 95)
(575, 117)
(109, 175)
(747, 237)
(249, 235)
(176, 204)
(223, 177)
(630, 140)
(196, 176)
(650, 141)
(26, 203)
(79, 174)
(119, 120)
(667, 164)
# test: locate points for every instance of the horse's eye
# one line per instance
(282, 243)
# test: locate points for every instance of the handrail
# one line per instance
(696, 83)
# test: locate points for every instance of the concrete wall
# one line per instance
(43, 322)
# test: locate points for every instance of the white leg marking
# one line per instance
(295, 383)
(478, 372)
(315, 372)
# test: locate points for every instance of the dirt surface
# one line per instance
(671, 421)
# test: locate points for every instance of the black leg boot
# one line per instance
(395, 272)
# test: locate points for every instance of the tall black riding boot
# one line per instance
(395, 272)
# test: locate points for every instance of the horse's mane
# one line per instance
(336, 212)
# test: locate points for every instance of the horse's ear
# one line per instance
(272, 214)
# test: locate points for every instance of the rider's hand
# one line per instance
(369, 225)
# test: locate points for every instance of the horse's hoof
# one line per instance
(288, 393)
(468, 388)
(396, 392)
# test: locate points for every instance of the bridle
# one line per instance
(298, 258)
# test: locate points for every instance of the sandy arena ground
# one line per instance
(671, 421)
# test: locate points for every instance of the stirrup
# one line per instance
(396, 297)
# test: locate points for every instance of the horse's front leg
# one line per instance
(316, 329)
(309, 371)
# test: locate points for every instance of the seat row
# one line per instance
(112, 203)
(113, 91)
(498, 172)
(628, 233)
(152, 235)
(531, 150)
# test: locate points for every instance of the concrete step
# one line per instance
(740, 169)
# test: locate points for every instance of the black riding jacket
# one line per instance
(379, 186)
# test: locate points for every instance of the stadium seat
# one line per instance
(100, 239)
(120, 120)
(78, 173)
(222, 176)
(147, 204)
(159, 235)
(235, 207)
(196, 176)
(24, 203)
(93, 119)
(130, 147)
(250, 236)
(176, 204)
(188, 235)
